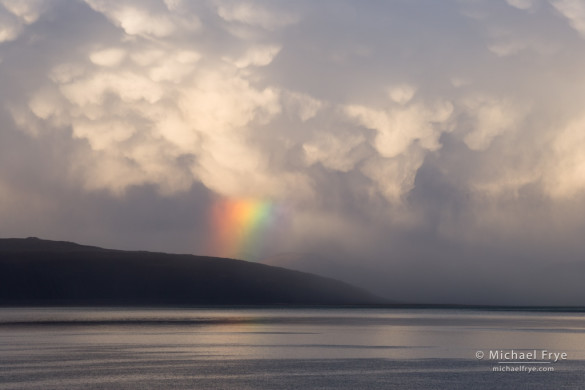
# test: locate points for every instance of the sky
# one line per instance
(430, 151)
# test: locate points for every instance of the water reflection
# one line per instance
(60, 347)
(299, 333)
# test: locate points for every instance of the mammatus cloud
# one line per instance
(16, 15)
(381, 136)
(147, 99)
(403, 134)
(142, 105)
(151, 19)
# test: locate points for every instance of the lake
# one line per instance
(284, 348)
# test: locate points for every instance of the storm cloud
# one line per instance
(430, 151)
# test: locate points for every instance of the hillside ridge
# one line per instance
(43, 272)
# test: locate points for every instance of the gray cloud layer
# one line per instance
(427, 150)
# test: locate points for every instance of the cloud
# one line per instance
(336, 152)
(398, 128)
(255, 14)
(142, 104)
(149, 19)
(402, 136)
(9, 27)
(107, 57)
(402, 94)
(491, 118)
(574, 11)
(257, 56)
(566, 177)
(213, 103)
(521, 4)
(15, 15)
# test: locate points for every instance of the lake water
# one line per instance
(320, 348)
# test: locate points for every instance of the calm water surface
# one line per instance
(286, 349)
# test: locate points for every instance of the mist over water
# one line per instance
(281, 348)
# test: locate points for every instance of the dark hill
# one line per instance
(40, 272)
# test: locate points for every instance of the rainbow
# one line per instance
(240, 227)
